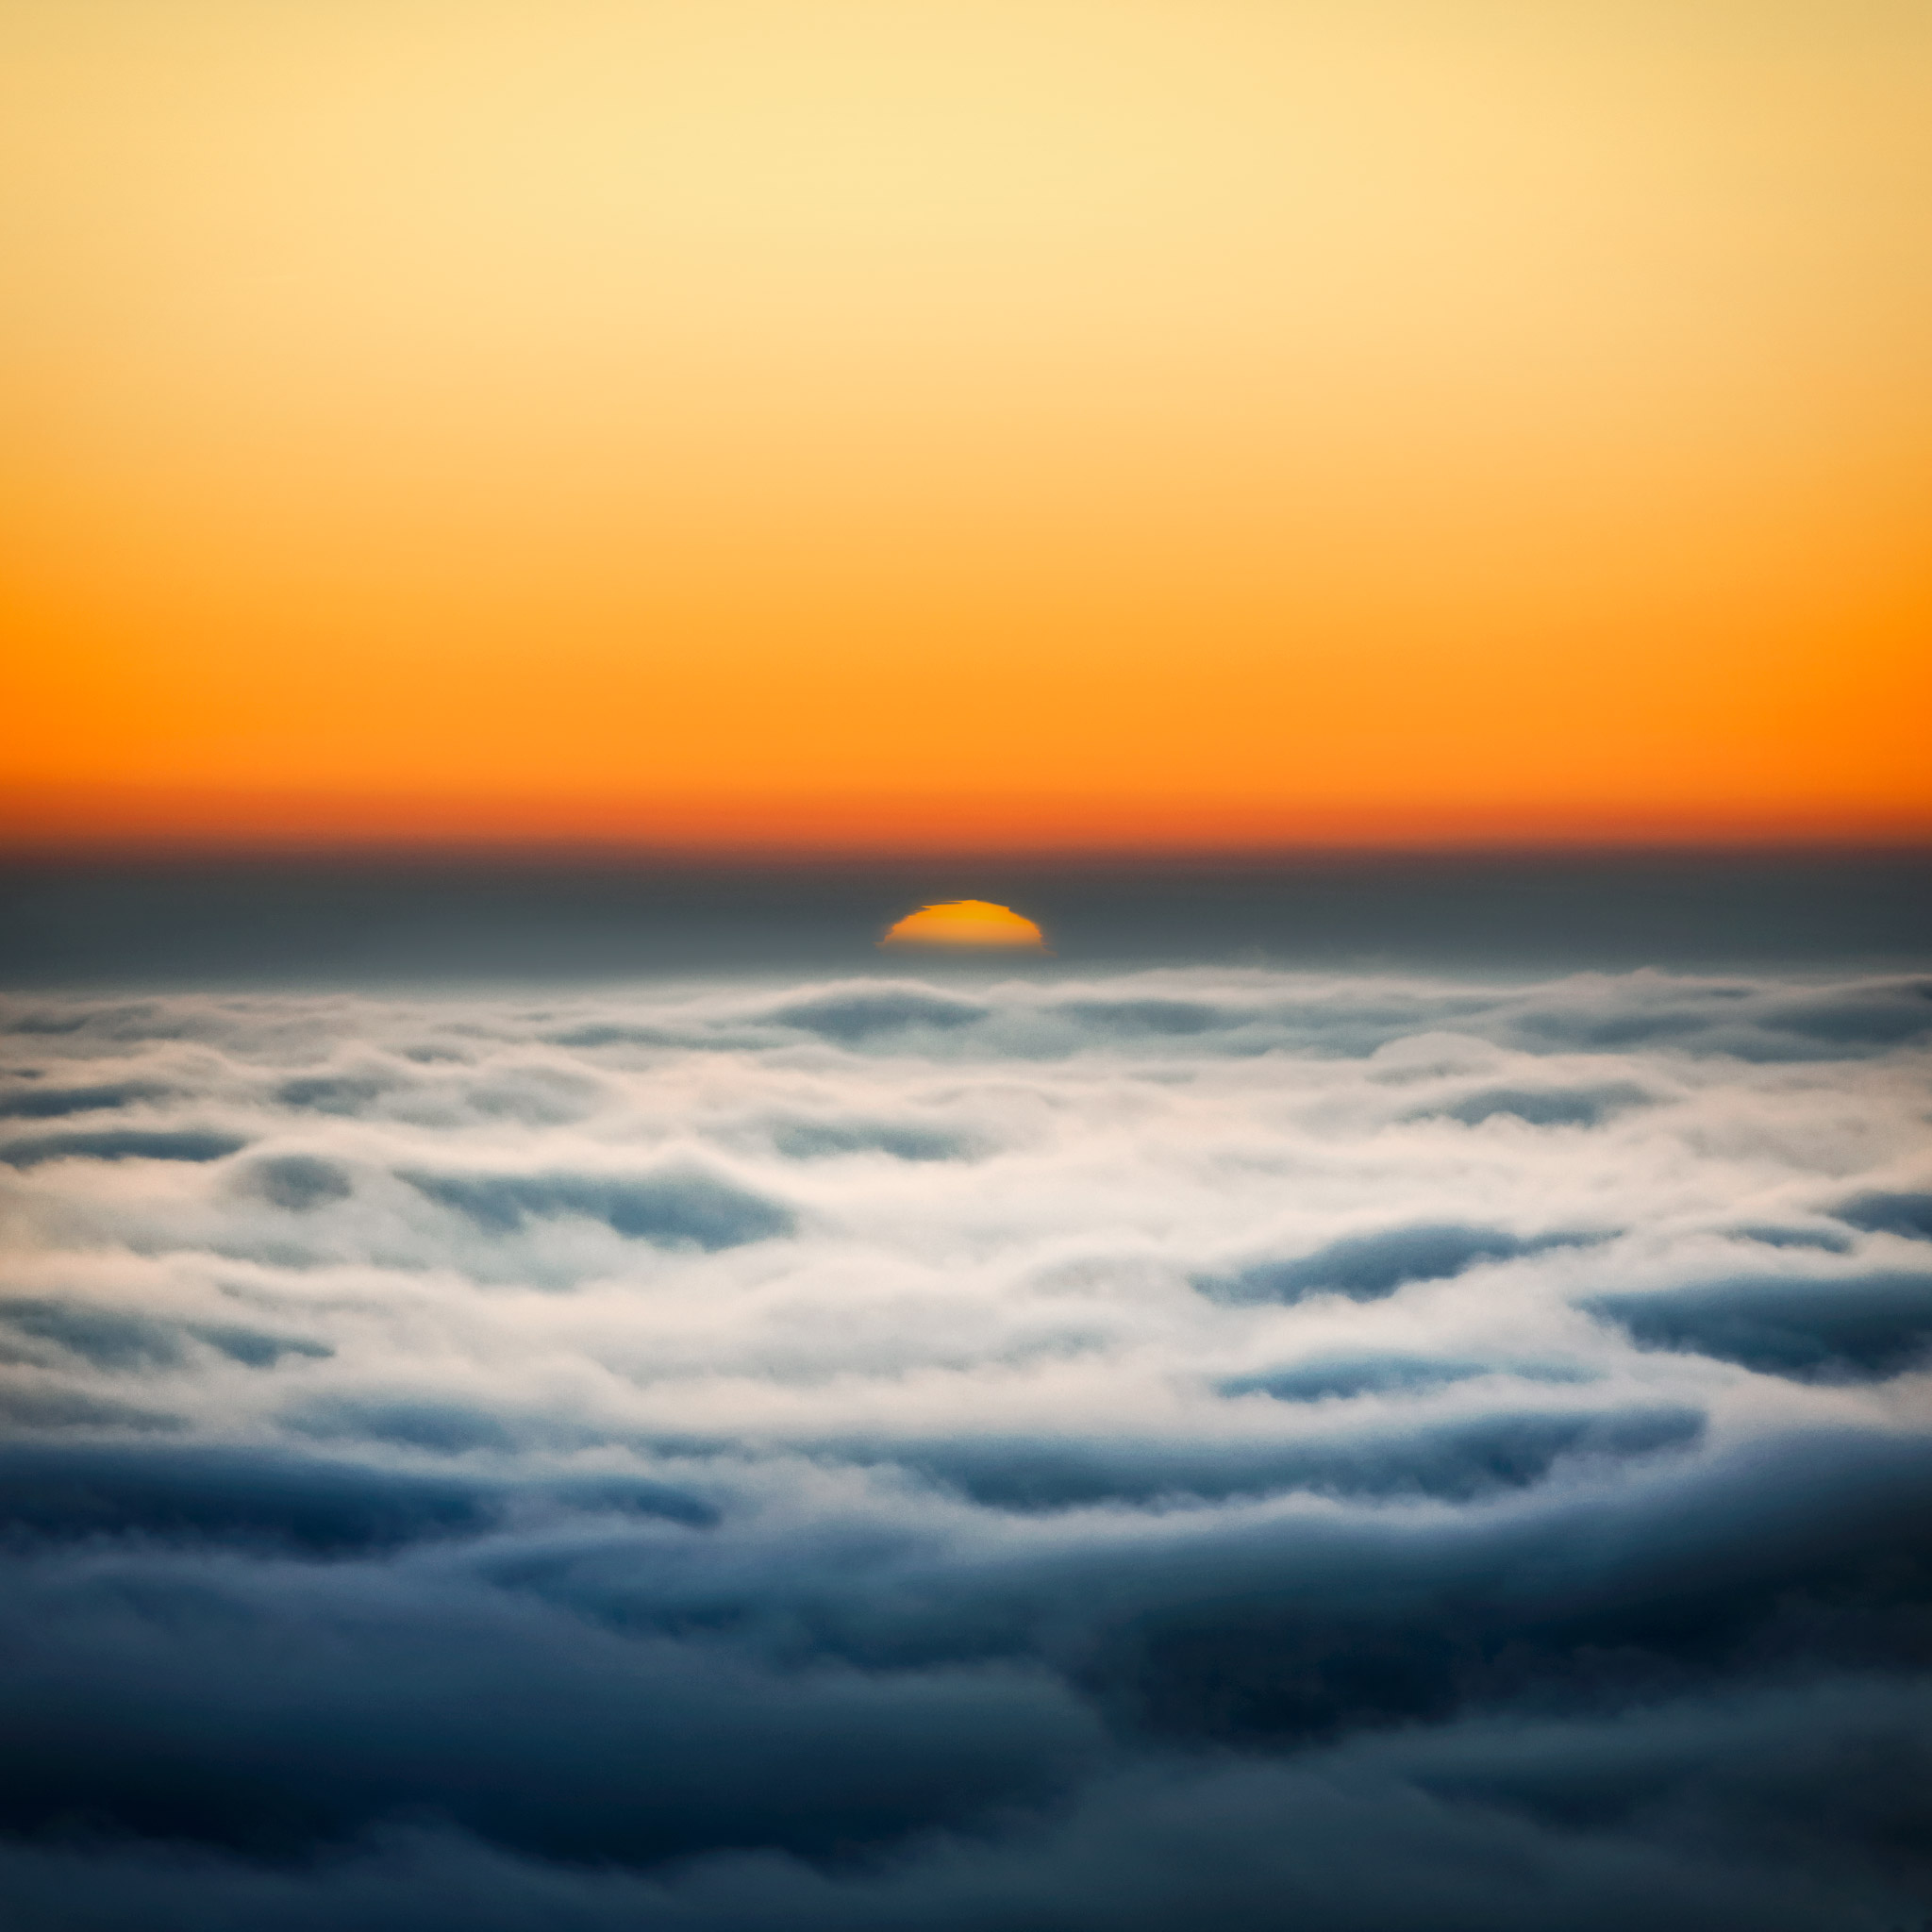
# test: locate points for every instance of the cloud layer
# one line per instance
(1094, 1453)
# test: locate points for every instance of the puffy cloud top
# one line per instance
(1090, 1453)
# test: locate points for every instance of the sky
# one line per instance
(1095, 1451)
(923, 425)
(1375, 1375)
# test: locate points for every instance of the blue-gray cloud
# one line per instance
(902, 1139)
(855, 1016)
(299, 1182)
(673, 1208)
(1368, 1266)
(1860, 1328)
(1546, 1106)
(54, 1103)
(120, 1143)
(332, 1093)
(1908, 1213)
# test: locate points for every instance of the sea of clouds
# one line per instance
(1164, 1448)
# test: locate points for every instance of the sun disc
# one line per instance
(967, 923)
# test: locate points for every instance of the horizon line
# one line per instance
(616, 850)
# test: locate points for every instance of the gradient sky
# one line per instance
(883, 422)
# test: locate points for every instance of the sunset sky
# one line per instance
(884, 422)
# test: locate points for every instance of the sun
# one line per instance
(967, 923)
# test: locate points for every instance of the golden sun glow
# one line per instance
(966, 923)
(996, 425)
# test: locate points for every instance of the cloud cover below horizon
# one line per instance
(1373, 1451)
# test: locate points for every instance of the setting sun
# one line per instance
(966, 923)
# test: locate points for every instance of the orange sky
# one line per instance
(1011, 421)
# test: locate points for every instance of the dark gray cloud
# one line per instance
(1545, 1107)
(120, 1143)
(121, 1340)
(1909, 1214)
(1877, 1016)
(1857, 1327)
(225, 1497)
(53, 1103)
(1366, 1266)
(1179, 1017)
(255, 1348)
(677, 1208)
(1829, 1240)
(820, 1140)
(1333, 1843)
(339, 1093)
(604, 1033)
(289, 1753)
(51, 1406)
(1751, 1023)
(1382, 1374)
(116, 1020)
(298, 1181)
(108, 1337)
(447, 1428)
(1461, 1461)
(855, 1016)
(229, 1498)
(636, 1671)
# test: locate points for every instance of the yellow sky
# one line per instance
(845, 420)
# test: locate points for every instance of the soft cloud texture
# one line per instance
(1104, 1453)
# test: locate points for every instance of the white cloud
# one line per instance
(1061, 1342)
